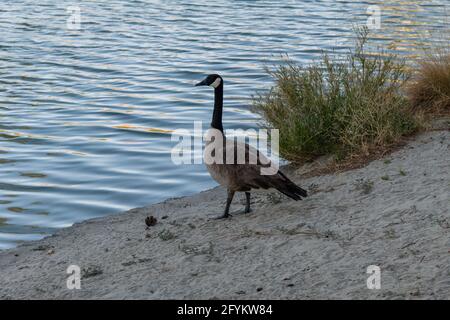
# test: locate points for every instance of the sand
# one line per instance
(393, 213)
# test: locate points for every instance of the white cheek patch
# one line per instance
(216, 83)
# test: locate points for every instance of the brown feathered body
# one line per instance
(246, 176)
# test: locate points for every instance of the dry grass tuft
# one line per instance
(429, 89)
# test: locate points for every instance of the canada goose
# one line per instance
(234, 176)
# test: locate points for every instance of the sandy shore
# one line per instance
(393, 213)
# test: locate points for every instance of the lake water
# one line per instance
(86, 115)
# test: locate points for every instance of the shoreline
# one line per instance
(392, 213)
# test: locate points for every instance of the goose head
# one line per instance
(212, 80)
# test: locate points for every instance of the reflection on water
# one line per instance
(86, 116)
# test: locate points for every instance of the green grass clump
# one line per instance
(345, 106)
(166, 235)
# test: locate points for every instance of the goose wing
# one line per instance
(249, 175)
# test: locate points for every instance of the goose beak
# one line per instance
(203, 83)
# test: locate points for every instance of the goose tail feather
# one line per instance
(290, 189)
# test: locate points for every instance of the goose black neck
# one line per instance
(218, 106)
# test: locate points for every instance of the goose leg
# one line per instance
(227, 214)
(247, 203)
